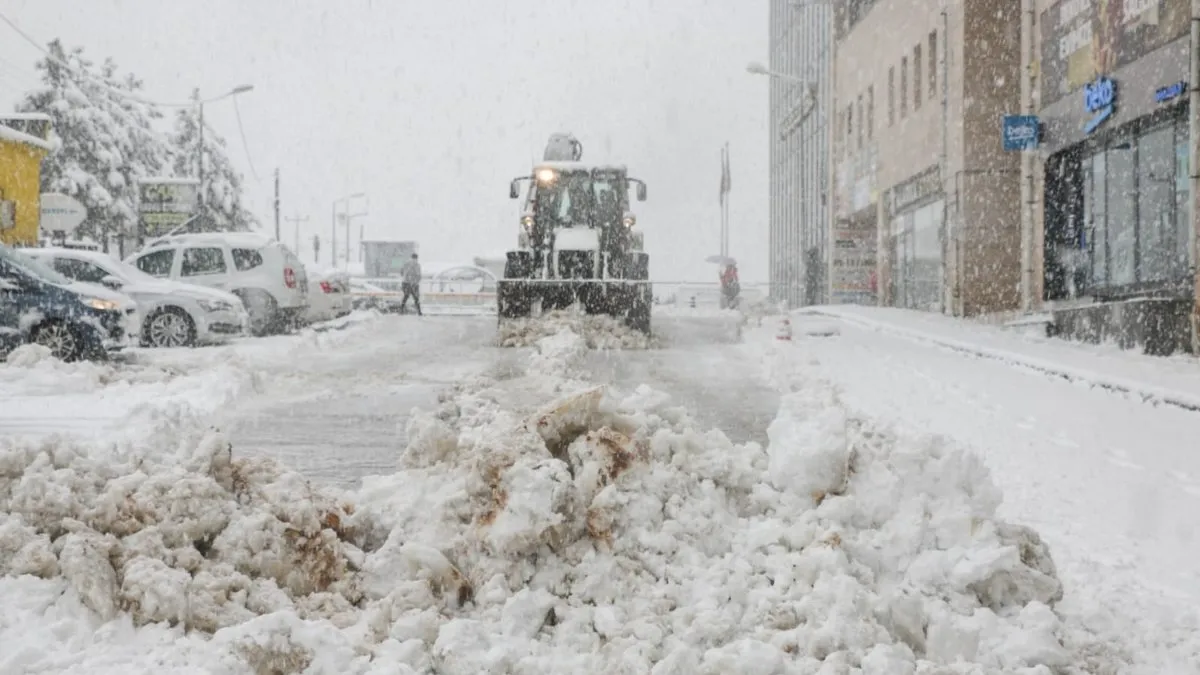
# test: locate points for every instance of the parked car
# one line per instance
(173, 314)
(269, 278)
(330, 296)
(74, 320)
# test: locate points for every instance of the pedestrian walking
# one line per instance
(411, 285)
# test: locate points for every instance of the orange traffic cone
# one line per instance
(785, 330)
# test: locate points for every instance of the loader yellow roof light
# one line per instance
(546, 175)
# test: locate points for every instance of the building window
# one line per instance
(917, 70)
(903, 86)
(891, 96)
(933, 65)
(849, 128)
(859, 114)
(870, 112)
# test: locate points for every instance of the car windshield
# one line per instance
(131, 273)
(31, 266)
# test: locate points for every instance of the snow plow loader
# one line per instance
(578, 245)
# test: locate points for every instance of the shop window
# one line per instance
(1122, 213)
(1183, 224)
(1095, 197)
(1156, 205)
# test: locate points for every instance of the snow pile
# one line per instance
(599, 331)
(606, 535)
(33, 370)
(598, 534)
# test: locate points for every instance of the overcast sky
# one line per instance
(432, 107)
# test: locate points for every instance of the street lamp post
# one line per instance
(334, 224)
(202, 201)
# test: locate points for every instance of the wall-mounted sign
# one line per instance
(1169, 92)
(919, 188)
(1020, 132)
(1099, 98)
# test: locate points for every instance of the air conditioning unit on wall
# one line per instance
(8, 215)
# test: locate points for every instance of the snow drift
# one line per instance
(599, 331)
(594, 533)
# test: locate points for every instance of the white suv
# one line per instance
(269, 278)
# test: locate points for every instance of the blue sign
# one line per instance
(1020, 132)
(1099, 98)
(1171, 91)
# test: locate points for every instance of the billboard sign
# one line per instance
(385, 258)
(1085, 39)
(166, 203)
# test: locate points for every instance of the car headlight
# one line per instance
(100, 304)
(214, 305)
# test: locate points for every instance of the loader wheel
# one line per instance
(638, 317)
(513, 301)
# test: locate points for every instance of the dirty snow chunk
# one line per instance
(539, 492)
(29, 355)
(598, 331)
(808, 450)
(84, 561)
(154, 592)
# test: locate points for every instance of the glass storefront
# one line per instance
(1135, 209)
(917, 258)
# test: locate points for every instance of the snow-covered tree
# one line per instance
(222, 183)
(106, 140)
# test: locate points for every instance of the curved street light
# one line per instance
(240, 89)
(334, 223)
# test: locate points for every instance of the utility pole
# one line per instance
(277, 207)
(295, 221)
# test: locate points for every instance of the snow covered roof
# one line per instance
(7, 133)
(31, 116)
(247, 239)
(169, 180)
(578, 166)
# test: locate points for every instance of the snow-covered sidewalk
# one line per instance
(1109, 480)
(1173, 380)
(537, 523)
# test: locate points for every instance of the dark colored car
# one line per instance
(75, 320)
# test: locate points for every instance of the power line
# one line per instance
(88, 76)
(121, 93)
(245, 146)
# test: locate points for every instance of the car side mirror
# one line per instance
(641, 192)
(514, 190)
(112, 282)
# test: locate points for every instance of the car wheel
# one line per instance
(262, 309)
(62, 339)
(170, 327)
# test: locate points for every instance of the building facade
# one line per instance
(799, 151)
(1112, 100)
(23, 145)
(926, 204)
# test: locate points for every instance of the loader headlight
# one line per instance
(546, 175)
(527, 222)
(630, 221)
